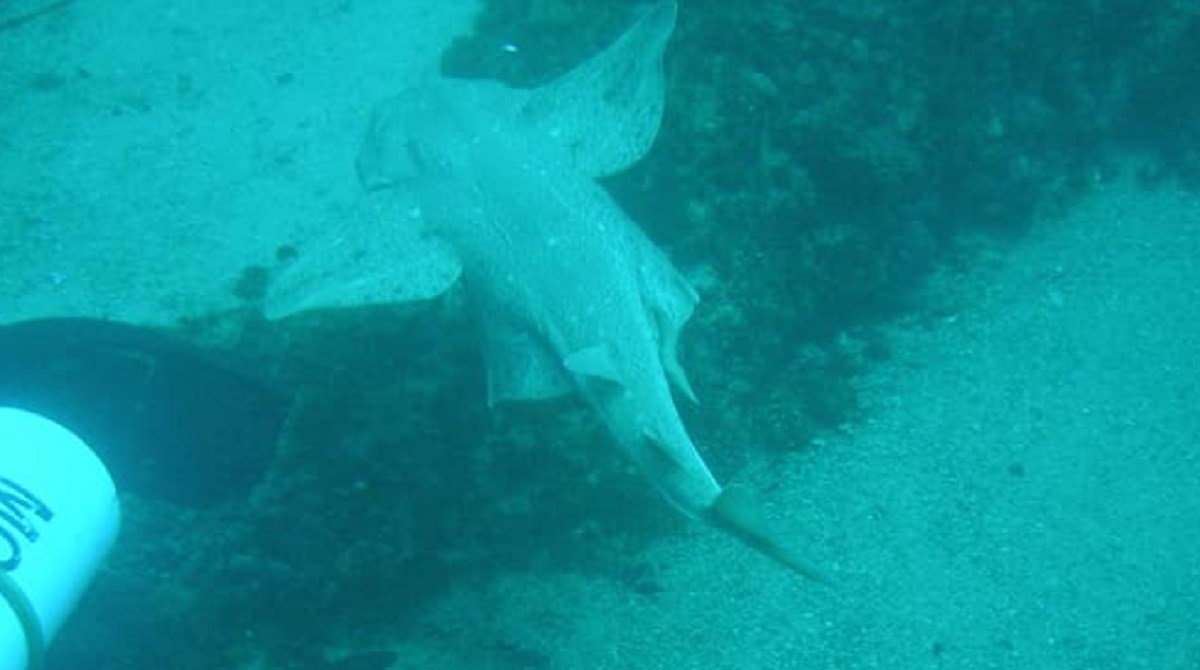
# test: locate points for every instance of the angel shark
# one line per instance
(570, 294)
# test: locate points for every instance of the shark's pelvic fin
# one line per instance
(596, 361)
(735, 512)
(520, 366)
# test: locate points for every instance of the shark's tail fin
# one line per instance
(735, 512)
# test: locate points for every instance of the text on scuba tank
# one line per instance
(20, 510)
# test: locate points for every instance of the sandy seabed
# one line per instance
(1022, 493)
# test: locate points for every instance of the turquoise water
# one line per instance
(946, 258)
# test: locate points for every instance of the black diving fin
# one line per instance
(171, 420)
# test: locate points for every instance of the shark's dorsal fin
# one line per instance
(606, 112)
(596, 362)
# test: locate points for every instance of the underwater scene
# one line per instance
(621, 334)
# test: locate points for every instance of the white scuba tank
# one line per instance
(58, 518)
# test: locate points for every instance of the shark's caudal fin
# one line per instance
(735, 512)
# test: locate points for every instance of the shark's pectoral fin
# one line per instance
(606, 112)
(735, 512)
(377, 257)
